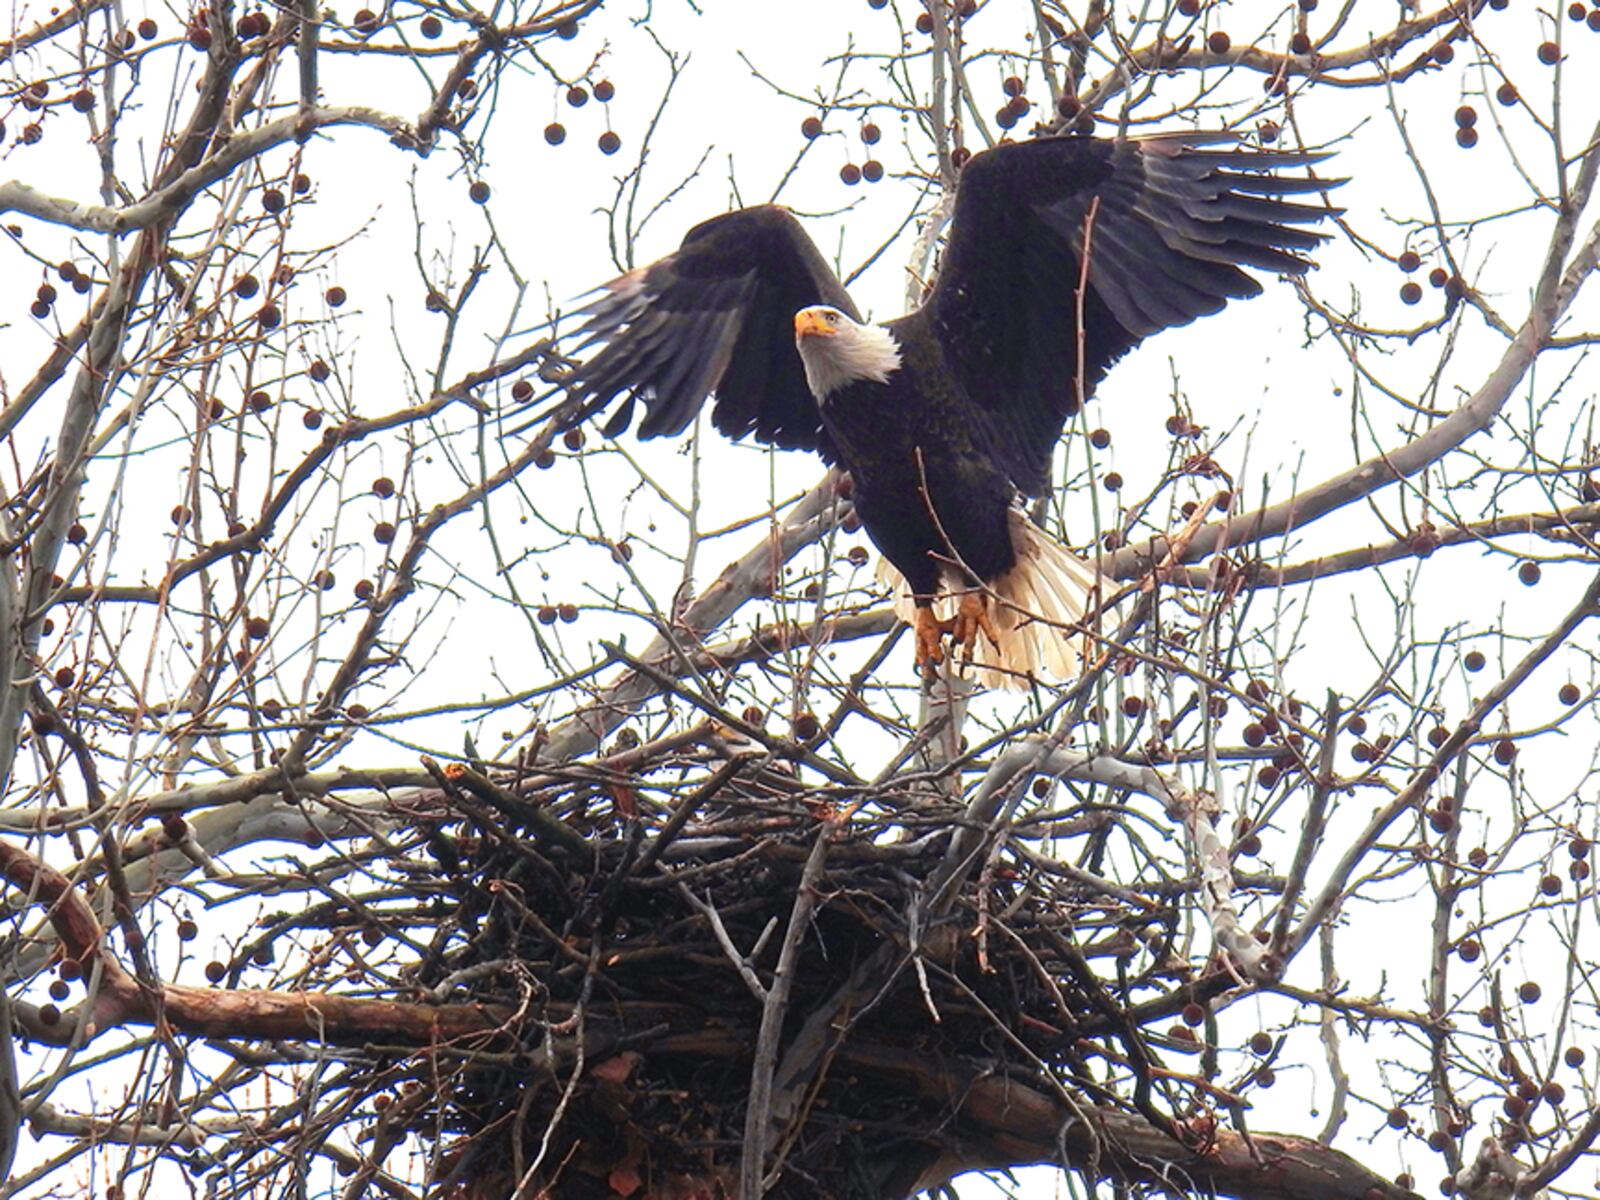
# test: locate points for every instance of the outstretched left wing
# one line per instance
(1167, 224)
(716, 317)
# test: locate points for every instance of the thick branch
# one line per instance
(1017, 1124)
(1574, 524)
(45, 30)
(164, 202)
(1556, 290)
(122, 1000)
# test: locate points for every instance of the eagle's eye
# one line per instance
(833, 318)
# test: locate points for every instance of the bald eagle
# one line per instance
(1062, 254)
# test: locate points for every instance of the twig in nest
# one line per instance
(458, 777)
(753, 1178)
(741, 962)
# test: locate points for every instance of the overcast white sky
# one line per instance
(727, 137)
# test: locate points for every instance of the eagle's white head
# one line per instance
(837, 350)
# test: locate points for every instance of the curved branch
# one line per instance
(1016, 1124)
(165, 201)
(1555, 294)
(1422, 541)
(45, 30)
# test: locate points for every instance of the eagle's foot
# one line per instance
(972, 618)
(930, 633)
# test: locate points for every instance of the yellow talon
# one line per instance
(972, 618)
(930, 633)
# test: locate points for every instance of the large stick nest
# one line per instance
(637, 970)
(685, 973)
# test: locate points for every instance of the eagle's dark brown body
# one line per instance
(926, 474)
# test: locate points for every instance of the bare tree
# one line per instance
(410, 795)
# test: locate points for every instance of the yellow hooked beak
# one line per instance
(815, 322)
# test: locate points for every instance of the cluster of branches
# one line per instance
(751, 895)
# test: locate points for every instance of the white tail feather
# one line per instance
(1032, 605)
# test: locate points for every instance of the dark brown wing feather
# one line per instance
(717, 317)
(1170, 223)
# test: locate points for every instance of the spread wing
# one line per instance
(717, 317)
(1169, 223)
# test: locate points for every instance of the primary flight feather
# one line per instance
(1058, 248)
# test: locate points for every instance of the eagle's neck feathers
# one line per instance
(854, 353)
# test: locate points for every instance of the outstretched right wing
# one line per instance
(717, 317)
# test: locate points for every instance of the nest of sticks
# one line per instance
(759, 966)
